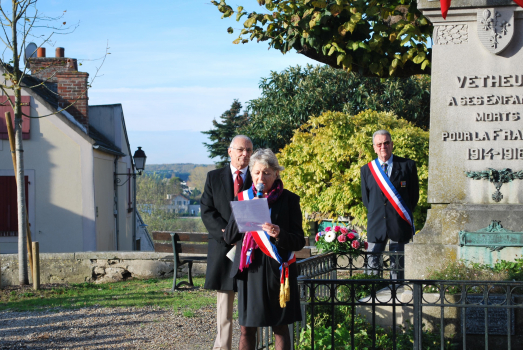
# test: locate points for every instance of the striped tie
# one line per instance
(385, 168)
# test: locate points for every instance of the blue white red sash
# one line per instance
(262, 238)
(391, 193)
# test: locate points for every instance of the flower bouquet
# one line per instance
(340, 240)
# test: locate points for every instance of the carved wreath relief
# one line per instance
(451, 34)
(495, 28)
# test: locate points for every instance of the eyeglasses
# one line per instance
(241, 150)
(386, 144)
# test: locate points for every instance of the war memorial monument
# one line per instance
(476, 137)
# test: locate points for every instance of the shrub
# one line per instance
(323, 162)
(462, 270)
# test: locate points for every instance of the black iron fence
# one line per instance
(326, 267)
(411, 314)
(383, 314)
(349, 304)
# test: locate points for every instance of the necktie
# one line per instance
(238, 182)
(385, 168)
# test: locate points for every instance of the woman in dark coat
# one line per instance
(257, 275)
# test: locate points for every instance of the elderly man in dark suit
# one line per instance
(390, 191)
(221, 187)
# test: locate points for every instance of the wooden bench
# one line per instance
(186, 243)
(192, 243)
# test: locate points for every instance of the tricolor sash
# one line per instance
(263, 241)
(391, 193)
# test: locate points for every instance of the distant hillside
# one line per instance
(182, 170)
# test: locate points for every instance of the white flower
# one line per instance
(330, 236)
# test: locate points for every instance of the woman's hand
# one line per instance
(272, 230)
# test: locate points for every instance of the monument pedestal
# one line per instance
(438, 243)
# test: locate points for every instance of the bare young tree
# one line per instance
(19, 20)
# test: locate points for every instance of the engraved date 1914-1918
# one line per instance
(491, 153)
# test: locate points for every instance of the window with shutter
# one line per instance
(26, 122)
(8, 207)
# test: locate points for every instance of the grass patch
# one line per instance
(134, 293)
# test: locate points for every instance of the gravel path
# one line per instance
(109, 328)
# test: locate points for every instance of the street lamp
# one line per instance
(139, 160)
(139, 165)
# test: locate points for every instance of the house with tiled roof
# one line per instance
(76, 200)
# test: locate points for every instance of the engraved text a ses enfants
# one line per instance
(489, 82)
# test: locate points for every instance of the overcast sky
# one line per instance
(172, 66)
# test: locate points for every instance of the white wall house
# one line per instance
(177, 204)
(75, 201)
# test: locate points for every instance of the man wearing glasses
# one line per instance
(221, 186)
(390, 191)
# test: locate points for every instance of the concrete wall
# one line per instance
(58, 160)
(104, 201)
(109, 120)
(98, 267)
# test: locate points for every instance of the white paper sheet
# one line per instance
(231, 253)
(251, 215)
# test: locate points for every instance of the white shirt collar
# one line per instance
(233, 170)
(389, 161)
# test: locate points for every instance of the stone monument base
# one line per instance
(438, 242)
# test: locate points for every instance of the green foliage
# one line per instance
(223, 133)
(514, 269)
(323, 162)
(153, 189)
(462, 270)
(133, 293)
(383, 39)
(289, 98)
(197, 180)
(363, 337)
(151, 196)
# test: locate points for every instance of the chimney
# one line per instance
(46, 68)
(71, 85)
(72, 89)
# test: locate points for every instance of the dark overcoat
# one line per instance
(259, 285)
(216, 210)
(383, 221)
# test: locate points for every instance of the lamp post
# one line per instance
(139, 165)
(139, 160)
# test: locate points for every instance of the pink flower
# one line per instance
(351, 236)
(327, 229)
(336, 229)
(344, 230)
(355, 244)
(342, 238)
(366, 245)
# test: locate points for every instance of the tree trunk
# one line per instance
(23, 276)
(20, 191)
